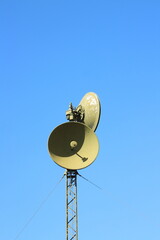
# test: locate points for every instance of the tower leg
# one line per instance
(71, 205)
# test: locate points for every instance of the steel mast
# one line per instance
(73, 145)
(71, 205)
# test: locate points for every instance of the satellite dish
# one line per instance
(73, 145)
(92, 109)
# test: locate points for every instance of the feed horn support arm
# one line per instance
(71, 205)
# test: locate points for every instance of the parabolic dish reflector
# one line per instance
(91, 105)
(73, 145)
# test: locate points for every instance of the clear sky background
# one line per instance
(51, 54)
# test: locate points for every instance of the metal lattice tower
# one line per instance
(73, 145)
(71, 205)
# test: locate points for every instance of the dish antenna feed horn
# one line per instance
(73, 145)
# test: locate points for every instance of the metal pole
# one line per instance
(71, 205)
(66, 206)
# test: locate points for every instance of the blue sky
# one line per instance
(52, 53)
